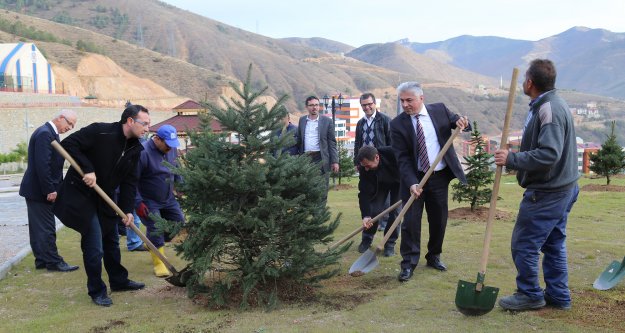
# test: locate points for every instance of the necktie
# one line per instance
(424, 162)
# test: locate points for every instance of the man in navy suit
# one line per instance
(417, 135)
(39, 185)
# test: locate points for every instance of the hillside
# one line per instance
(589, 60)
(322, 44)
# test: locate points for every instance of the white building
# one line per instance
(24, 69)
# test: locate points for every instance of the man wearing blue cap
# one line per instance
(155, 189)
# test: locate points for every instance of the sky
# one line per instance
(360, 22)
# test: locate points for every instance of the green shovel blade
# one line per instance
(471, 302)
(611, 276)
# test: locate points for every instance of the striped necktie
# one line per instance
(424, 162)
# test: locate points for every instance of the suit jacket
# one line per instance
(381, 133)
(380, 181)
(101, 148)
(327, 141)
(45, 166)
(404, 143)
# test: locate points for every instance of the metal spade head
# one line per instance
(367, 262)
(612, 275)
(471, 302)
(179, 279)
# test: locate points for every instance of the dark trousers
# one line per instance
(378, 204)
(42, 232)
(434, 198)
(96, 248)
(541, 227)
(316, 158)
(170, 211)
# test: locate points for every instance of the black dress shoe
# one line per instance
(102, 300)
(363, 247)
(62, 267)
(405, 274)
(436, 263)
(41, 266)
(389, 252)
(131, 285)
(139, 248)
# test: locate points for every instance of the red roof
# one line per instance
(189, 105)
(185, 123)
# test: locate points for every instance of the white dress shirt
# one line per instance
(311, 135)
(431, 140)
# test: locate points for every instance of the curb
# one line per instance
(6, 266)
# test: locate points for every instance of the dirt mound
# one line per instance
(603, 188)
(480, 214)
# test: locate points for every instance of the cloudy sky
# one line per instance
(359, 22)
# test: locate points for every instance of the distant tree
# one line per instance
(610, 159)
(479, 176)
(346, 163)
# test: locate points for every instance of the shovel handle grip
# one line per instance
(425, 178)
(495, 192)
(361, 228)
(113, 205)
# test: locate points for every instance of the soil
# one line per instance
(603, 188)
(592, 309)
(341, 187)
(480, 214)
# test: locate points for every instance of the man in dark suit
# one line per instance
(316, 139)
(371, 130)
(417, 136)
(39, 186)
(379, 180)
(109, 151)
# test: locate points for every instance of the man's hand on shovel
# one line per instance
(414, 191)
(130, 219)
(366, 222)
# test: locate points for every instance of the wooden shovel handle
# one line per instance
(427, 175)
(495, 193)
(360, 229)
(116, 208)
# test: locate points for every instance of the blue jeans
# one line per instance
(96, 248)
(541, 226)
(132, 239)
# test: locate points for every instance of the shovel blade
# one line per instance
(365, 264)
(612, 275)
(179, 279)
(471, 302)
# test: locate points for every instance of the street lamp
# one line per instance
(326, 102)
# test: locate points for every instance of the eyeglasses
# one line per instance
(71, 124)
(142, 123)
(367, 105)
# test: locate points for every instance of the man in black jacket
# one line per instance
(108, 154)
(379, 179)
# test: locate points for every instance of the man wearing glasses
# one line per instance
(372, 130)
(108, 153)
(39, 187)
(317, 140)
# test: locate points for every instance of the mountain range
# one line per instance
(194, 56)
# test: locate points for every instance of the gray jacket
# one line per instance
(547, 159)
(327, 141)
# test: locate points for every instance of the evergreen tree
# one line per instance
(253, 215)
(479, 176)
(346, 163)
(610, 159)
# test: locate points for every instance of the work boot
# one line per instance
(521, 302)
(555, 304)
(389, 251)
(159, 268)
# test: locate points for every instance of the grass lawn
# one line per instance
(37, 301)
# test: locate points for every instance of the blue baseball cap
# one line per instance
(169, 135)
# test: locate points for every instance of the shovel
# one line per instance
(611, 276)
(360, 229)
(177, 278)
(369, 260)
(476, 299)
